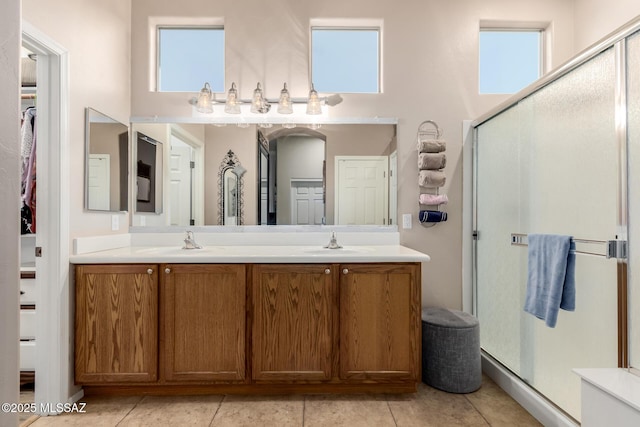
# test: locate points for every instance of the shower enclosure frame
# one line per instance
(618, 41)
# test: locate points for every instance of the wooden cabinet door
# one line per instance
(116, 323)
(380, 321)
(203, 310)
(293, 322)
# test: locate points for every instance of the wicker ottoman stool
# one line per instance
(451, 350)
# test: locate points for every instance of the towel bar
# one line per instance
(613, 248)
(429, 129)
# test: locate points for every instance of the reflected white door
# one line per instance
(99, 179)
(361, 190)
(393, 188)
(180, 183)
(307, 203)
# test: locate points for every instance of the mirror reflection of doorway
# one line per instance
(362, 188)
(307, 202)
(185, 180)
(292, 177)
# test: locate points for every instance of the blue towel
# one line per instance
(551, 278)
(432, 216)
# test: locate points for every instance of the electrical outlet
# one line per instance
(406, 221)
(143, 220)
(115, 222)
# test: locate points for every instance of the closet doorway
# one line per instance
(51, 359)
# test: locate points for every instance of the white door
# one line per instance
(361, 190)
(99, 179)
(307, 203)
(393, 188)
(180, 183)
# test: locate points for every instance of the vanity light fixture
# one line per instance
(284, 103)
(261, 105)
(203, 104)
(258, 103)
(314, 105)
(232, 105)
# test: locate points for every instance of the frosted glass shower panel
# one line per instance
(498, 214)
(633, 117)
(550, 165)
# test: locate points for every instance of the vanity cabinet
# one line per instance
(203, 312)
(293, 322)
(116, 318)
(254, 328)
(380, 322)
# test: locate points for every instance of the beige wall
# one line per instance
(594, 19)
(97, 36)
(429, 72)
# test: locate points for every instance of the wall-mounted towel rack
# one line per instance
(430, 135)
(613, 248)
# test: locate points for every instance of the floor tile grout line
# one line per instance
(224, 396)
(304, 407)
(395, 422)
(130, 410)
(477, 410)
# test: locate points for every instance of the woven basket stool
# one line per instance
(451, 350)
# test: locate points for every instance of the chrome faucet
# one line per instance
(189, 242)
(333, 242)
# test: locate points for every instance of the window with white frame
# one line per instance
(188, 56)
(509, 59)
(345, 60)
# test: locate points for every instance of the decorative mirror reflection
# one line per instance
(106, 163)
(230, 195)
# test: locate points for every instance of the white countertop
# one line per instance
(252, 254)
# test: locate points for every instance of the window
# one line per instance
(509, 59)
(345, 60)
(190, 56)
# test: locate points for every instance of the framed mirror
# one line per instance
(230, 195)
(106, 163)
(281, 166)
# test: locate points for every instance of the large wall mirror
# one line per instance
(338, 174)
(106, 163)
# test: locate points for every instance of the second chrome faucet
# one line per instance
(190, 243)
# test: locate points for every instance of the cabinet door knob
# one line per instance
(150, 271)
(345, 271)
(167, 270)
(327, 271)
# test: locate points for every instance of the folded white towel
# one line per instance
(431, 146)
(433, 199)
(432, 161)
(431, 179)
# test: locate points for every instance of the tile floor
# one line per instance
(489, 406)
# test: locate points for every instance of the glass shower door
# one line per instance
(549, 165)
(633, 128)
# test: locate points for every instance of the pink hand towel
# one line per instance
(433, 199)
